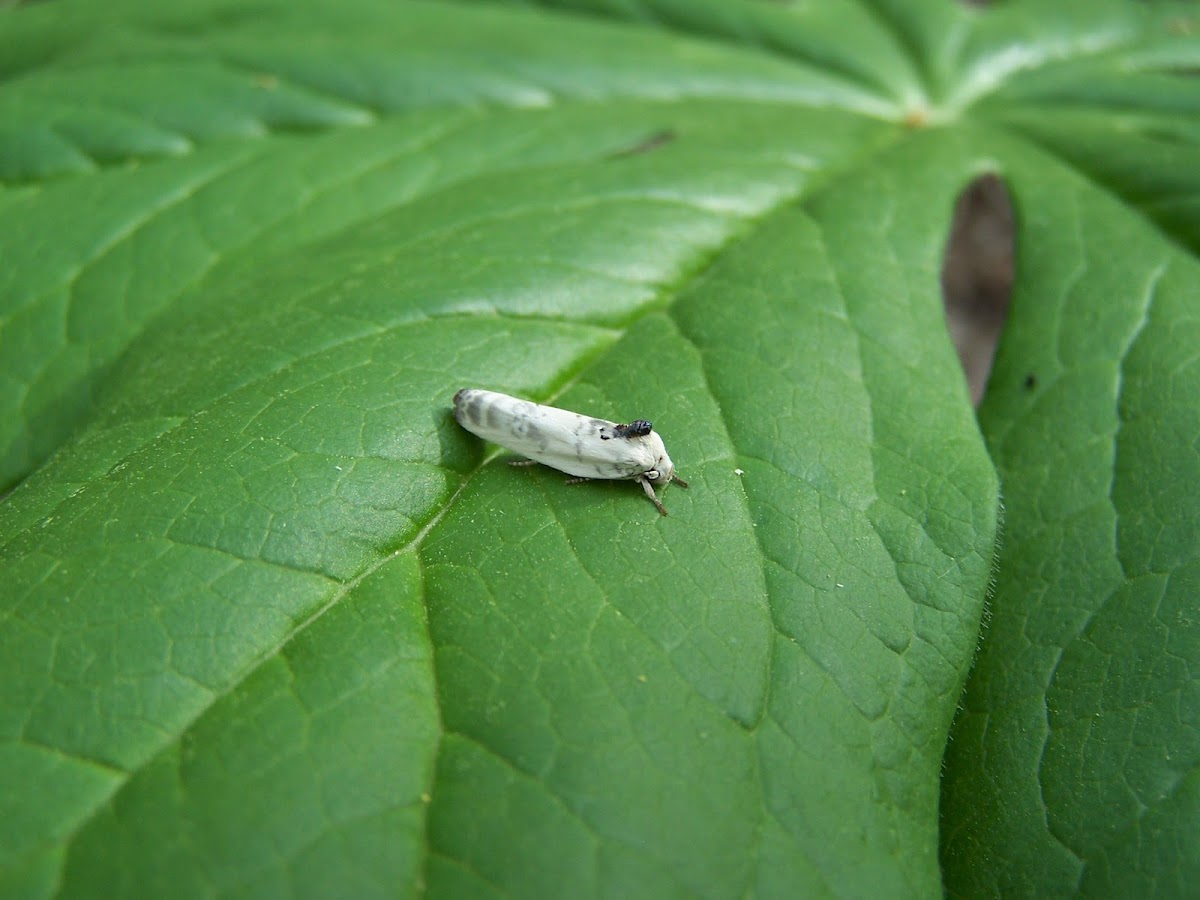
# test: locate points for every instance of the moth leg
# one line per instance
(522, 462)
(577, 480)
(675, 479)
(645, 483)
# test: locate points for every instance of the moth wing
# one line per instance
(584, 446)
(494, 417)
(578, 445)
(617, 457)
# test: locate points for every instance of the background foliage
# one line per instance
(273, 625)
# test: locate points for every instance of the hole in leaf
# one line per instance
(977, 276)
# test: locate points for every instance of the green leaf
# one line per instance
(273, 624)
(1078, 747)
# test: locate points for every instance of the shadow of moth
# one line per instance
(579, 445)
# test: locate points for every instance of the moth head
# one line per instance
(663, 471)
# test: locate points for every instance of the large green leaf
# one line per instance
(273, 624)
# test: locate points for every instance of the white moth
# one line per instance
(578, 445)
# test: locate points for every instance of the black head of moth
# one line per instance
(636, 428)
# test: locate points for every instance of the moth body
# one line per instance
(579, 445)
